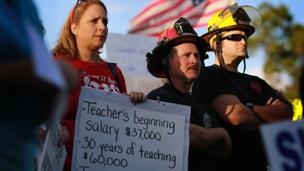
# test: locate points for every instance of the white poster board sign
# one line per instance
(112, 134)
(53, 156)
(129, 52)
(284, 143)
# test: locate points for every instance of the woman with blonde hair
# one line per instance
(83, 35)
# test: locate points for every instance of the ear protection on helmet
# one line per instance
(165, 63)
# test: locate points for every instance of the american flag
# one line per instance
(161, 14)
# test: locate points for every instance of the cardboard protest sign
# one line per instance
(112, 134)
(53, 156)
(284, 144)
(129, 52)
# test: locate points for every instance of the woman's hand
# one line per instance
(137, 97)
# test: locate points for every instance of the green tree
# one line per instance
(283, 43)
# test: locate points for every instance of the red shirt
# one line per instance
(94, 75)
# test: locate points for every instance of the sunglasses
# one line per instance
(77, 3)
(235, 37)
(74, 9)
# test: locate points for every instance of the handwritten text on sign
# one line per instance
(117, 135)
(284, 142)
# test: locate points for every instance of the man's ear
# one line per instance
(214, 45)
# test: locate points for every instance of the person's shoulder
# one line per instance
(110, 63)
(210, 70)
(154, 93)
(256, 78)
(252, 76)
(61, 56)
(208, 73)
(115, 66)
(158, 92)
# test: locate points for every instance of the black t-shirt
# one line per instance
(248, 152)
(201, 114)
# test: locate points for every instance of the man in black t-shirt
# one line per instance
(177, 57)
(242, 101)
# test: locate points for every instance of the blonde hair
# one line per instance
(66, 42)
(213, 38)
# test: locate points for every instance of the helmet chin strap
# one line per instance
(244, 64)
(244, 61)
(218, 49)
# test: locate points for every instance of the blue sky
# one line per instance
(54, 12)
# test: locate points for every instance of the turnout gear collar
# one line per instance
(180, 32)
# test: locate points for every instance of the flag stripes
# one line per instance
(161, 14)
